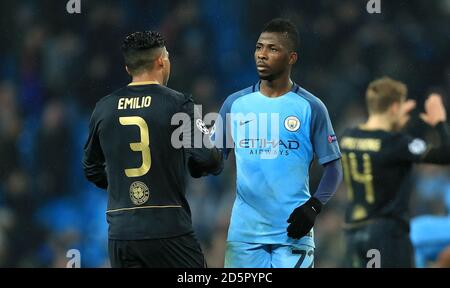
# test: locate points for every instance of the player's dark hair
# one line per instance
(285, 27)
(383, 92)
(139, 48)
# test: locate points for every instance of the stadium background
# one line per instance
(55, 66)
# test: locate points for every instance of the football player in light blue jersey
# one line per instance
(430, 235)
(276, 129)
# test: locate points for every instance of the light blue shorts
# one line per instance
(251, 255)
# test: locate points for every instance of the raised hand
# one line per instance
(434, 110)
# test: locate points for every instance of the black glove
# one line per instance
(195, 170)
(303, 217)
(214, 166)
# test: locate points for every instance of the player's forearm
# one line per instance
(96, 174)
(444, 134)
(331, 179)
(302, 219)
(440, 154)
(215, 165)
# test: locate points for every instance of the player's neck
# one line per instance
(147, 77)
(277, 87)
(378, 122)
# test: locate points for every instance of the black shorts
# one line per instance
(389, 236)
(177, 252)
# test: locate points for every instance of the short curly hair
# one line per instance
(139, 48)
(286, 28)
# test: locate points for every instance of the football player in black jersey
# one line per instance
(377, 158)
(131, 153)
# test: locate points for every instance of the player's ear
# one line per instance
(160, 61)
(395, 108)
(128, 70)
(293, 57)
(162, 57)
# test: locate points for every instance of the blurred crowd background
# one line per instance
(55, 66)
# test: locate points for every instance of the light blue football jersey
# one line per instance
(274, 141)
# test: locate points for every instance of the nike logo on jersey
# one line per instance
(245, 122)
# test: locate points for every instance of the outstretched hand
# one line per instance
(434, 110)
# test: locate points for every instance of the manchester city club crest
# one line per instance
(139, 193)
(292, 123)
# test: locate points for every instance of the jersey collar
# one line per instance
(294, 88)
(143, 83)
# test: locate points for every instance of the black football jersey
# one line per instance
(130, 152)
(377, 170)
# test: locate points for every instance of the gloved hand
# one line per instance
(202, 168)
(195, 170)
(302, 218)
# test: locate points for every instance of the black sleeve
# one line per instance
(331, 179)
(93, 159)
(416, 127)
(418, 151)
(202, 159)
(440, 154)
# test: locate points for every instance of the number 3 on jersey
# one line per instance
(143, 146)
